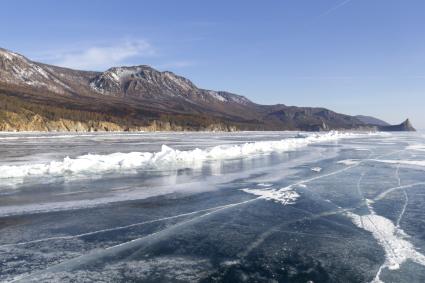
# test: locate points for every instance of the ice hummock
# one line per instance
(164, 159)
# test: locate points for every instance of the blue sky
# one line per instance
(352, 56)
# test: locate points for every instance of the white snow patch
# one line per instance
(264, 185)
(392, 239)
(284, 196)
(348, 162)
(98, 89)
(40, 71)
(119, 73)
(231, 262)
(239, 99)
(9, 55)
(316, 169)
(115, 76)
(184, 84)
(217, 96)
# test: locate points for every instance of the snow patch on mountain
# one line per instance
(16, 69)
(181, 82)
(217, 96)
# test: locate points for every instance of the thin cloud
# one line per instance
(103, 57)
(334, 8)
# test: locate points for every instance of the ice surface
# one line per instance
(418, 147)
(258, 215)
(406, 162)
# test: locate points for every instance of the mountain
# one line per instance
(371, 120)
(37, 96)
(406, 126)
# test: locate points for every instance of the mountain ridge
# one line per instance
(371, 120)
(38, 96)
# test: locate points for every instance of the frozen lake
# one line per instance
(212, 207)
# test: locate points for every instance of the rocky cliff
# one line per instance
(406, 126)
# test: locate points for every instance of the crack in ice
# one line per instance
(74, 262)
(116, 228)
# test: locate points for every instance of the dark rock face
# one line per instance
(36, 96)
(406, 126)
(371, 120)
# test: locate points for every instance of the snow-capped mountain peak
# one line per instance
(118, 79)
(15, 69)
